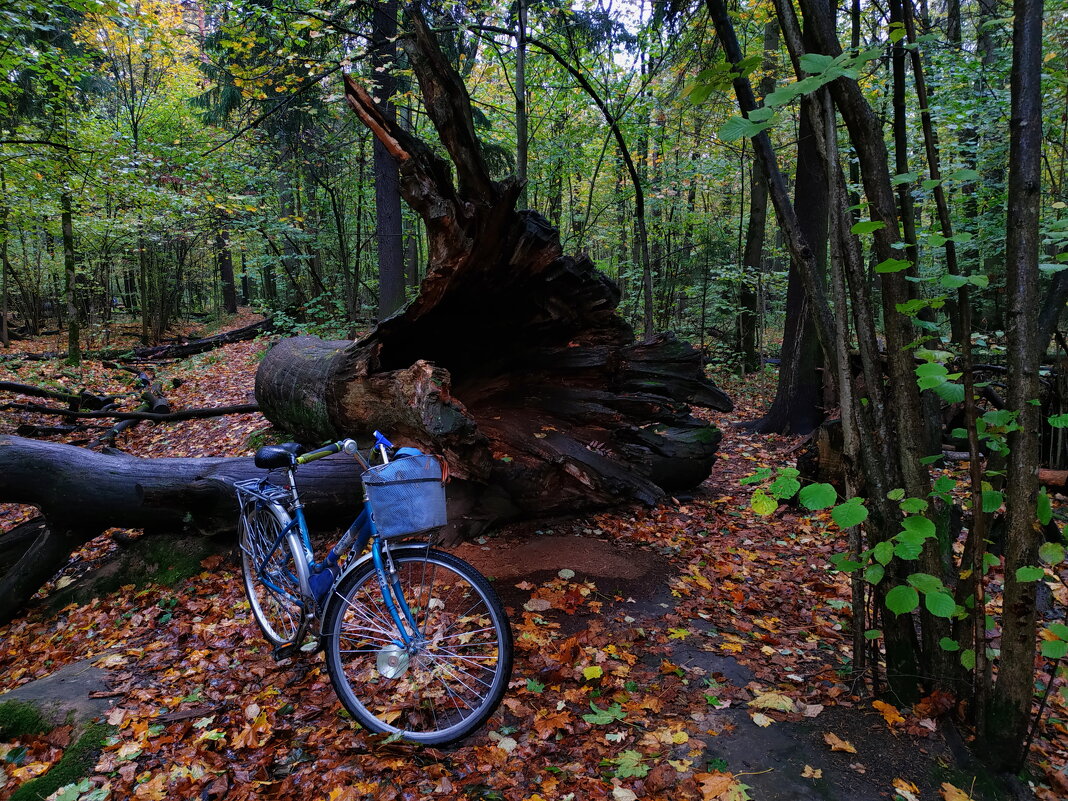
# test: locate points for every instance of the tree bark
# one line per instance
(81, 493)
(387, 187)
(1010, 706)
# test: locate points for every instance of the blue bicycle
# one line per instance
(417, 642)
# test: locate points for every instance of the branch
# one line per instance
(172, 417)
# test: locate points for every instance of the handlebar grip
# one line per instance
(311, 456)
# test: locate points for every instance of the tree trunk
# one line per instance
(70, 281)
(226, 271)
(512, 361)
(387, 186)
(797, 405)
(81, 493)
(1010, 708)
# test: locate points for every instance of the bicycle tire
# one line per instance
(271, 581)
(455, 607)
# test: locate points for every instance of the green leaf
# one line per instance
(873, 634)
(534, 686)
(896, 494)
(1044, 510)
(964, 175)
(1052, 553)
(902, 599)
(884, 552)
(815, 63)
(896, 35)
(931, 369)
(950, 392)
(919, 526)
(892, 265)
(698, 93)
(738, 128)
(603, 717)
(630, 765)
(761, 114)
(908, 550)
(1059, 630)
(874, 574)
(913, 506)
(967, 658)
(784, 487)
(940, 604)
(1028, 574)
(757, 477)
(762, 503)
(925, 582)
(992, 500)
(931, 183)
(989, 561)
(1059, 421)
(867, 227)
(953, 281)
(903, 178)
(944, 484)
(818, 496)
(1054, 649)
(948, 644)
(849, 514)
(981, 281)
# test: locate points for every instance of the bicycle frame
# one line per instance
(354, 541)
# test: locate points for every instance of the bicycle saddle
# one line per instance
(271, 456)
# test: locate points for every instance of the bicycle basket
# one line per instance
(407, 496)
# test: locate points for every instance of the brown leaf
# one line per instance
(838, 744)
(951, 793)
(714, 785)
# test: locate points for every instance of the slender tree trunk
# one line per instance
(387, 177)
(70, 281)
(226, 271)
(521, 103)
(797, 408)
(5, 265)
(752, 259)
(1010, 709)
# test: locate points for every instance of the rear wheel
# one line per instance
(449, 679)
(270, 572)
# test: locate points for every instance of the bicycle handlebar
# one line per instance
(347, 445)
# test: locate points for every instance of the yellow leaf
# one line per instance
(838, 744)
(889, 713)
(592, 672)
(907, 790)
(762, 720)
(773, 701)
(951, 793)
(155, 789)
(812, 773)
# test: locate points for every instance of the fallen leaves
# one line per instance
(890, 714)
(838, 744)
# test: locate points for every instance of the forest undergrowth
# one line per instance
(620, 691)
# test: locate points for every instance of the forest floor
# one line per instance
(691, 651)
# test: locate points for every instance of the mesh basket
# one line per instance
(407, 496)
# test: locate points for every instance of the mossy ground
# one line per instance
(76, 763)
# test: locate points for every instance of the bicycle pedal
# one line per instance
(285, 651)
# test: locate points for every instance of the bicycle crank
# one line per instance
(393, 661)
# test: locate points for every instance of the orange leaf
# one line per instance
(714, 785)
(838, 744)
(889, 713)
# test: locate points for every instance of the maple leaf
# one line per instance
(812, 773)
(889, 713)
(952, 793)
(714, 785)
(603, 717)
(762, 720)
(907, 790)
(777, 701)
(838, 744)
(155, 789)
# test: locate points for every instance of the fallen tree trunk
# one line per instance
(512, 361)
(81, 493)
(181, 350)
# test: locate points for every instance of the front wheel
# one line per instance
(269, 567)
(447, 681)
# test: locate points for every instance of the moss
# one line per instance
(76, 763)
(19, 718)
